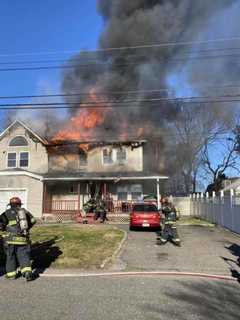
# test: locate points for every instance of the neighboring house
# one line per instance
(232, 184)
(53, 178)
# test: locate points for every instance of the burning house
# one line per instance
(58, 176)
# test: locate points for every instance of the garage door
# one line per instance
(6, 194)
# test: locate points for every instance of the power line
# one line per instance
(122, 104)
(100, 93)
(122, 48)
(95, 60)
(82, 65)
(113, 93)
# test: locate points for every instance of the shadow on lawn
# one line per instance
(44, 254)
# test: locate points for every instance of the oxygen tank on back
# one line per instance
(22, 221)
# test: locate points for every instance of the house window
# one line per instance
(12, 160)
(121, 156)
(136, 191)
(122, 192)
(73, 189)
(107, 156)
(83, 159)
(18, 142)
(23, 159)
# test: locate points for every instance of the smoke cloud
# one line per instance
(136, 23)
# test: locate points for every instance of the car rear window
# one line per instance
(145, 208)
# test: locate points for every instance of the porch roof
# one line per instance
(60, 176)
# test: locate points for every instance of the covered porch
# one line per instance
(66, 195)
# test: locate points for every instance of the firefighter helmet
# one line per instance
(15, 201)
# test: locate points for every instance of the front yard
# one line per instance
(66, 246)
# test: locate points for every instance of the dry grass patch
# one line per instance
(84, 247)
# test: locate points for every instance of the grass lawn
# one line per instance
(68, 246)
(194, 221)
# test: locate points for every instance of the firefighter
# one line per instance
(89, 206)
(169, 230)
(101, 210)
(16, 223)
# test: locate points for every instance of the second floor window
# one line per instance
(12, 160)
(83, 159)
(107, 156)
(20, 160)
(23, 159)
(121, 156)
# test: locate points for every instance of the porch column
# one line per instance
(79, 196)
(105, 190)
(158, 194)
(44, 197)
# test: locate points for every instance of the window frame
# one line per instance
(27, 145)
(81, 164)
(121, 161)
(112, 157)
(19, 159)
(16, 160)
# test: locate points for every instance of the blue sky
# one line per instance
(28, 28)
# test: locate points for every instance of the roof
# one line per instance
(42, 140)
(73, 176)
(70, 176)
(20, 172)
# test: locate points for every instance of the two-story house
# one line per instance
(59, 177)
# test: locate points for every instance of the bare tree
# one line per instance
(196, 127)
(227, 158)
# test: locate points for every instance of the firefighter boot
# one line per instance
(29, 276)
(11, 275)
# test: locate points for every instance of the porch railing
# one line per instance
(73, 206)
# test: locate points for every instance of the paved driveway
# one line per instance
(204, 249)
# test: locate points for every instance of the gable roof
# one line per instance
(42, 140)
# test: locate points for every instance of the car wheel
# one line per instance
(131, 228)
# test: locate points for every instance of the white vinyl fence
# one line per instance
(223, 210)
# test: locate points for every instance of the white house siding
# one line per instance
(34, 191)
(134, 161)
(71, 162)
(38, 157)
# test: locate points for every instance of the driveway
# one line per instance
(204, 249)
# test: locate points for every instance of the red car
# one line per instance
(144, 215)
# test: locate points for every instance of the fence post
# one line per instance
(207, 206)
(222, 207)
(213, 207)
(231, 208)
(191, 203)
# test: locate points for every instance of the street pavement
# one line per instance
(204, 249)
(119, 298)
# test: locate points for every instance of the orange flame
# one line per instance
(82, 126)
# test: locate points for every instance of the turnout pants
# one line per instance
(170, 232)
(100, 214)
(17, 256)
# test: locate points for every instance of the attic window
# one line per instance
(18, 142)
